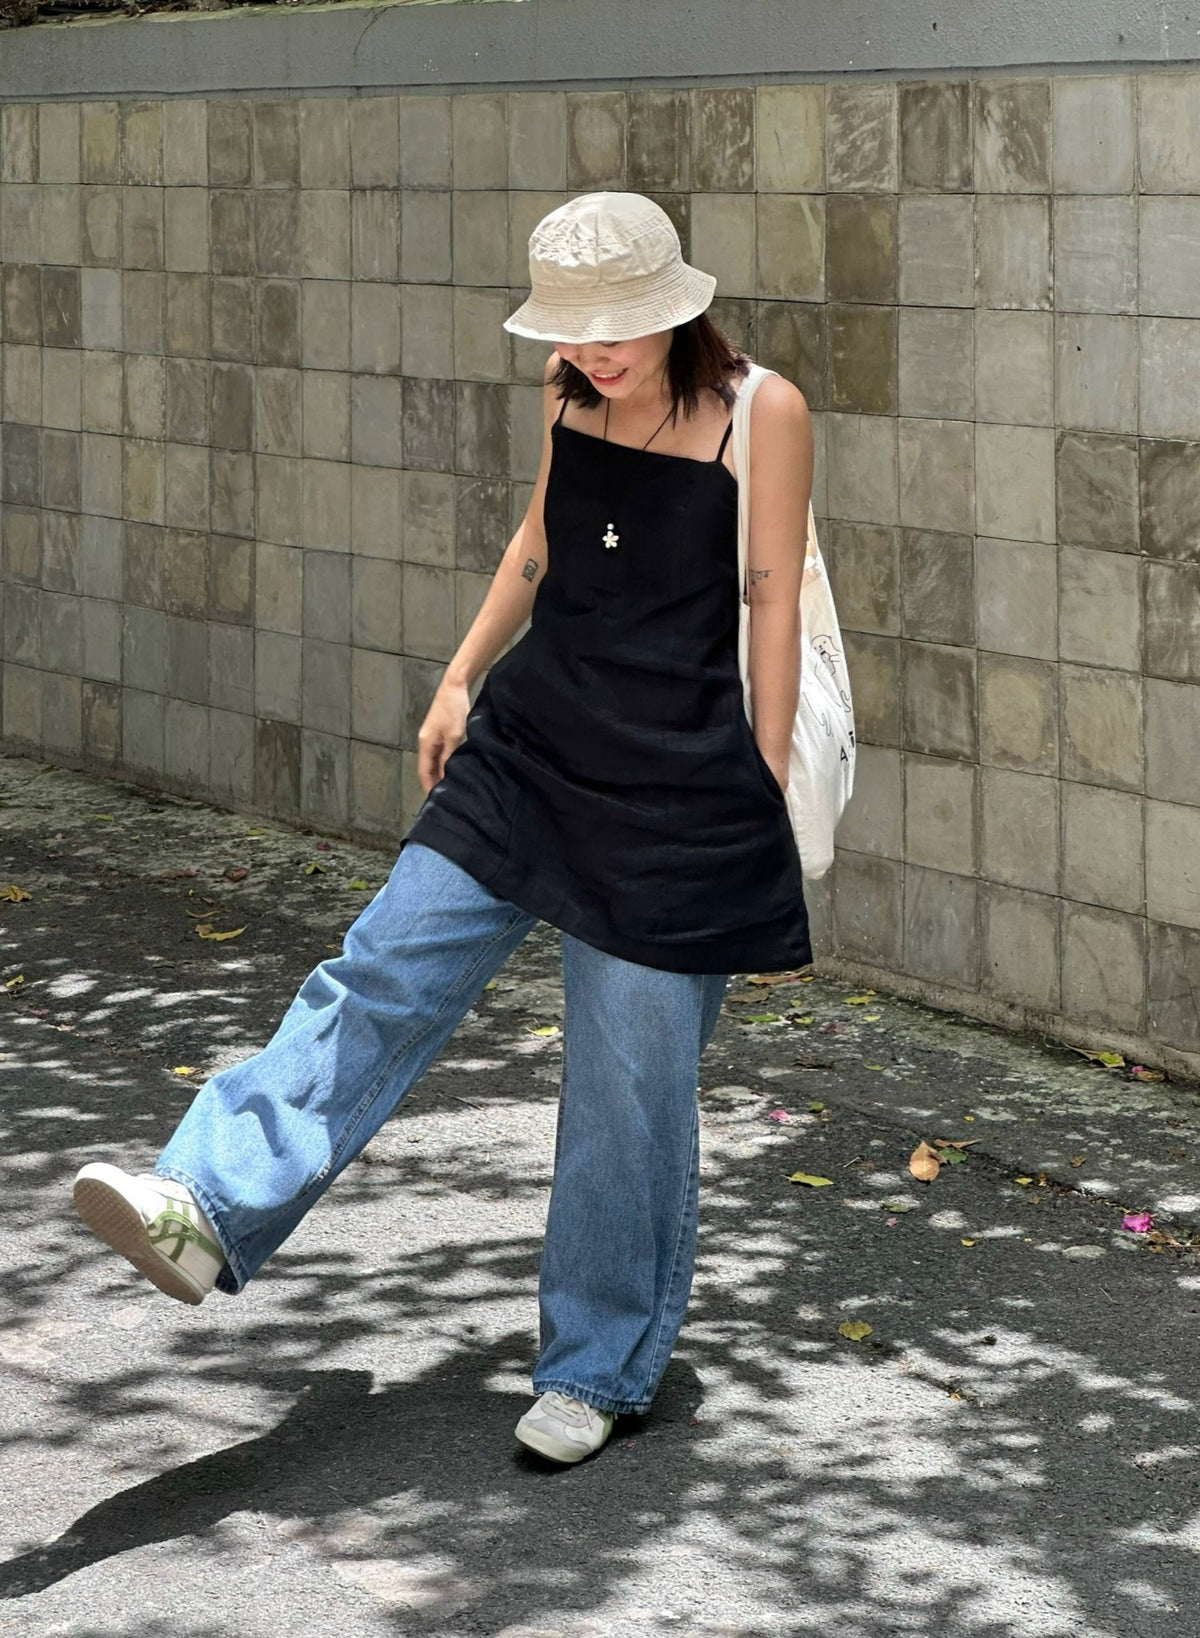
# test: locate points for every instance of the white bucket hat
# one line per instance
(608, 267)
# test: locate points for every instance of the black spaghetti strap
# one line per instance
(562, 411)
(725, 439)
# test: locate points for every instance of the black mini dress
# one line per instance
(610, 782)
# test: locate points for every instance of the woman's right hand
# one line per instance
(444, 728)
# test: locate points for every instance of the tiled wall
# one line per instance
(264, 441)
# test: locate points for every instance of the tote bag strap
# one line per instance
(741, 459)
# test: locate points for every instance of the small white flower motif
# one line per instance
(611, 538)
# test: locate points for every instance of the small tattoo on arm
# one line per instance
(531, 568)
(758, 574)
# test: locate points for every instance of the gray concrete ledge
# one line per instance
(1183, 1067)
(530, 42)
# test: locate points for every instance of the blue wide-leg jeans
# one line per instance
(265, 1138)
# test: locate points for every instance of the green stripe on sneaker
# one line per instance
(172, 1223)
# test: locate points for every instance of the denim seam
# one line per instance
(653, 1370)
(563, 1082)
(430, 1023)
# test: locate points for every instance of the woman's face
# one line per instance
(617, 369)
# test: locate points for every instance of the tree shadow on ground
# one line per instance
(1001, 1449)
(1011, 1454)
(343, 1439)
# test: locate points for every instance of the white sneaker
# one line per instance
(564, 1429)
(155, 1223)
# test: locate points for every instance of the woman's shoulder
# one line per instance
(774, 388)
(779, 403)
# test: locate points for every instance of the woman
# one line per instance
(607, 781)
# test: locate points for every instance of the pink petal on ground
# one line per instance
(1137, 1222)
(779, 1115)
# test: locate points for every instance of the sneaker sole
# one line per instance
(544, 1446)
(109, 1215)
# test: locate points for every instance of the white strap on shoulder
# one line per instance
(741, 460)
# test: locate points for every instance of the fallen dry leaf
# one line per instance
(313, 866)
(544, 1029)
(206, 930)
(1140, 1072)
(856, 1330)
(924, 1162)
(360, 885)
(968, 1242)
(14, 983)
(1110, 1060)
(811, 1181)
(859, 1000)
(14, 894)
(183, 1069)
(237, 873)
(778, 978)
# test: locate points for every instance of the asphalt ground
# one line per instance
(1009, 1452)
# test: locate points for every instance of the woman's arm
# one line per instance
(781, 475)
(504, 610)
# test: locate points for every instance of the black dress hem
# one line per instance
(724, 955)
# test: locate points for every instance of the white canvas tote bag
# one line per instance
(821, 760)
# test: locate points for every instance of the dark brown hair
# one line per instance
(700, 357)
